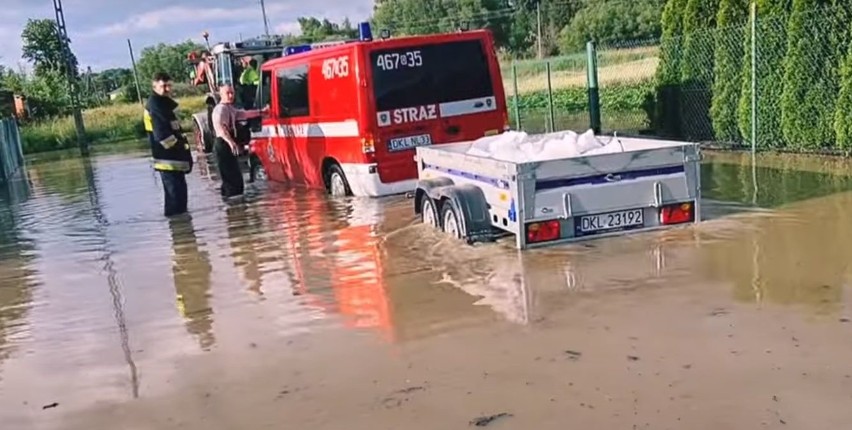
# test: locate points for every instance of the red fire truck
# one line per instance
(346, 116)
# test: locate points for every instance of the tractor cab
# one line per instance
(225, 62)
(222, 64)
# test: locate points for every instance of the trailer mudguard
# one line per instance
(472, 208)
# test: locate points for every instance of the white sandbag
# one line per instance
(521, 147)
(588, 142)
(612, 147)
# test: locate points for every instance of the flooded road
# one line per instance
(294, 311)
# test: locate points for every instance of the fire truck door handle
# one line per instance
(453, 129)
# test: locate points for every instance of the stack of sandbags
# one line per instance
(520, 147)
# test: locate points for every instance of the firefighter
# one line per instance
(169, 147)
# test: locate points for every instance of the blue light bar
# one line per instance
(292, 50)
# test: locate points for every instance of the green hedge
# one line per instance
(728, 69)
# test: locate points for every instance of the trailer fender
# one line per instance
(471, 206)
(426, 188)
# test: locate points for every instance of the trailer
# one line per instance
(650, 184)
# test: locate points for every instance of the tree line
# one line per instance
(565, 27)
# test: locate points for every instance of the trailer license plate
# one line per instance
(620, 220)
(408, 142)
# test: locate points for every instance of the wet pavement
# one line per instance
(290, 310)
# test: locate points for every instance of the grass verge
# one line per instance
(103, 124)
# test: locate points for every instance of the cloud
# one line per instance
(181, 15)
(10, 52)
(288, 28)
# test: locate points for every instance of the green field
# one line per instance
(105, 124)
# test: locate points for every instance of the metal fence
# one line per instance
(11, 153)
(704, 86)
(552, 94)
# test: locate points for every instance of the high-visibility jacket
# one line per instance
(169, 147)
(249, 76)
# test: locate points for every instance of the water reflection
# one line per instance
(192, 271)
(118, 287)
(106, 251)
(16, 273)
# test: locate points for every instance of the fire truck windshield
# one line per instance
(430, 74)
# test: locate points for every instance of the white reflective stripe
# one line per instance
(175, 125)
(169, 142)
(348, 128)
(464, 107)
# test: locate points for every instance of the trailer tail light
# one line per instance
(543, 231)
(677, 213)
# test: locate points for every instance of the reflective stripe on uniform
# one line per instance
(169, 142)
(171, 165)
(176, 125)
(149, 123)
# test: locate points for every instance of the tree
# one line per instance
(166, 58)
(314, 30)
(612, 21)
(405, 17)
(41, 46)
(771, 48)
(671, 42)
(810, 80)
(699, 23)
(843, 112)
(112, 79)
(728, 69)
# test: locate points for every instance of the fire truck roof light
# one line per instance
(364, 31)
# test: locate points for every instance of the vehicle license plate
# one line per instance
(408, 142)
(591, 224)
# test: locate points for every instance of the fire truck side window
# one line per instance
(264, 96)
(293, 91)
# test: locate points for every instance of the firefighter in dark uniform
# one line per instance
(169, 147)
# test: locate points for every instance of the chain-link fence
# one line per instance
(552, 94)
(703, 86)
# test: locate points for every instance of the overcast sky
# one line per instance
(99, 29)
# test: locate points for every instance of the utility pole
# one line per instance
(71, 71)
(538, 25)
(135, 74)
(265, 21)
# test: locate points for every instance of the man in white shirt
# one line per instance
(226, 147)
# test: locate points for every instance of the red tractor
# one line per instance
(223, 64)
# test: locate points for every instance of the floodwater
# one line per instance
(290, 310)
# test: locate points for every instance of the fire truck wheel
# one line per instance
(338, 186)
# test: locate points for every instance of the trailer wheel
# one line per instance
(451, 220)
(337, 184)
(429, 213)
